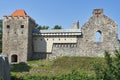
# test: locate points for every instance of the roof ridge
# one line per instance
(19, 13)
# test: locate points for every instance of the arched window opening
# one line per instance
(98, 35)
(14, 58)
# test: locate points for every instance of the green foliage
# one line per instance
(73, 68)
(112, 69)
(47, 27)
(1, 78)
(73, 75)
(43, 27)
(57, 27)
(0, 46)
(21, 67)
(63, 68)
(0, 26)
(84, 63)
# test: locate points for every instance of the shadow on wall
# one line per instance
(39, 46)
(21, 67)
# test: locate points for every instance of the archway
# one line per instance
(14, 58)
(98, 35)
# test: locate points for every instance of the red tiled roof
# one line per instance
(19, 13)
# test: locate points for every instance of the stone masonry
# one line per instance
(17, 36)
(86, 45)
(108, 39)
(22, 41)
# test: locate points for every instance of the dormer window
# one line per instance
(22, 26)
(8, 26)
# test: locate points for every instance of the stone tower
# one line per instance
(75, 25)
(17, 36)
(99, 34)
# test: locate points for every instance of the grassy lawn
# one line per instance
(59, 66)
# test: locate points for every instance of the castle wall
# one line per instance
(87, 45)
(59, 50)
(17, 38)
(21, 44)
(4, 68)
(108, 40)
(48, 43)
(45, 44)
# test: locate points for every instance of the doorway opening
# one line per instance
(14, 58)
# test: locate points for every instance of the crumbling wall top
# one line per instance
(19, 14)
(97, 12)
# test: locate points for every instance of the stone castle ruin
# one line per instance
(22, 41)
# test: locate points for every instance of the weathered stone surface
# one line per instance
(17, 38)
(75, 25)
(4, 68)
(86, 45)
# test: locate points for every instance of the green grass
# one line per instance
(59, 66)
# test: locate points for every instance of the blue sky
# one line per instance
(62, 12)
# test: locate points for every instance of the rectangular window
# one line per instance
(22, 26)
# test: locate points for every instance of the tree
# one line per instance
(57, 27)
(42, 27)
(119, 40)
(111, 70)
(1, 78)
(0, 26)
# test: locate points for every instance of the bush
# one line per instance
(112, 69)
(1, 78)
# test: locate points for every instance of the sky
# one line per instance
(62, 12)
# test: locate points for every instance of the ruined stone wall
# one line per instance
(75, 25)
(106, 27)
(4, 68)
(87, 44)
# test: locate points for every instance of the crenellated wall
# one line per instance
(17, 38)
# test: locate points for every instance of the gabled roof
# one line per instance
(19, 13)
